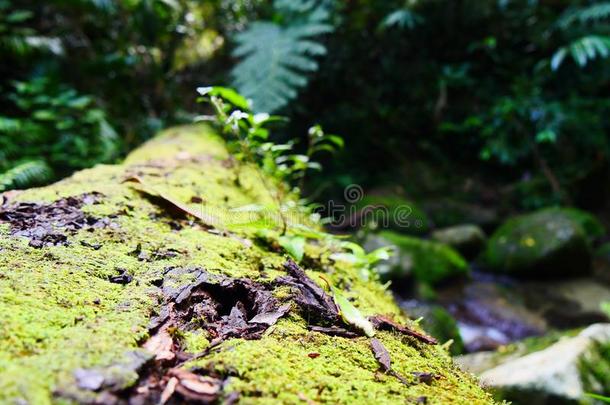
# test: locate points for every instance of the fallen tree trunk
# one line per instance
(122, 284)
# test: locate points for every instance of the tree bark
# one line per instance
(133, 283)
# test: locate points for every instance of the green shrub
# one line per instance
(53, 131)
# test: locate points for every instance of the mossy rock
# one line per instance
(592, 226)
(549, 242)
(393, 212)
(81, 308)
(426, 261)
(467, 239)
(558, 373)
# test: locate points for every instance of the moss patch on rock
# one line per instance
(546, 242)
(429, 262)
(64, 309)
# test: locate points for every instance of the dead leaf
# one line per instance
(425, 377)
(203, 302)
(313, 355)
(123, 277)
(270, 318)
(177, 205)
(162, 345)
(333, 331)
(381, 354)
(169, 390)
(384, 323)
(51, 224)
(195, 387)
(311, 298)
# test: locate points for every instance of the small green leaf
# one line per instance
(227, 94)
(350, 314)
(345, 257)
(294, 245)
(598, 397)
(383, 253)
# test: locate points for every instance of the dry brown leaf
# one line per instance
(162, 345)
(183, 208)
(381, 354)
(169, 390)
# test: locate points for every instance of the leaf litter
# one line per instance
(384, 323)
(227, 308)
(169, 202)
(51, 224)
(224, 307)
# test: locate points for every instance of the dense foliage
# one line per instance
(515, 91)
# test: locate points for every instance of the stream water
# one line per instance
(492, 311)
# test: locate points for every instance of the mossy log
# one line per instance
(110, 292)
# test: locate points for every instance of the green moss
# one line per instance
(546, 242)
(345, 372)
(440, 324)
(592, 226)
(60, 312)
(431, 262)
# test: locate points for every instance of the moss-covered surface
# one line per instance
(430, 262)
(60, 312)
(543, 243)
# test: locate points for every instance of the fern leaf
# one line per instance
(583, 50)
(26, 174)
(584, 15)
(403, 18)
(276, 58)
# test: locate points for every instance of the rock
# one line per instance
(467, 239)
(560, 373)
(447, 212)
(548, 242)
(566, 304)
(426, 261)
(392, 212)
(601, 263)
(592, 226)
(492, 311)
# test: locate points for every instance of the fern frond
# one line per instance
(583, 50)
(585, 15)
(26, 174)
(275, 59)
(402, 18)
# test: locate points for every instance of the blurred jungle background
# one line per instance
(489, 120)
